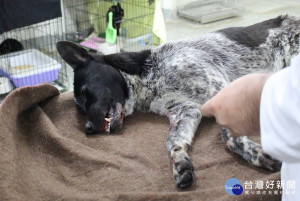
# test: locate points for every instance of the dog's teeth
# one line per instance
(108, 128)
(107, 119)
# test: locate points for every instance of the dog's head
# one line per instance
(100, 90)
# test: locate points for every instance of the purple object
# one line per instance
(29, 67)
(30, 80)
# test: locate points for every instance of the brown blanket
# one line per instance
(45, 155)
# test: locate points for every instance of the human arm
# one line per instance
(265, 103)
(237, 105)
(280, 114)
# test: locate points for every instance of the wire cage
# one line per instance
(28, 56)
(86, 22)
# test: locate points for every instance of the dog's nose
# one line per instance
(89, 128)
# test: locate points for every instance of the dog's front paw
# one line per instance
(183, 173)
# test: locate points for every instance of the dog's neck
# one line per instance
(135, 88)
(133, 67)
(131, 100)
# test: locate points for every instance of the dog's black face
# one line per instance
(100, 90)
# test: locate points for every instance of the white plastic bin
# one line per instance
(29, 67)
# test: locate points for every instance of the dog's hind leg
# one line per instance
(184, 119)
(250, 151)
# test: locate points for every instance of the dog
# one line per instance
(176, 79)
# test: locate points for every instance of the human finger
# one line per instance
(207, 109)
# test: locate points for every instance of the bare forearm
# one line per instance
(237, 105)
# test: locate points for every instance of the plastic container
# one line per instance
(29, 67)
(205, 11)
(137, 43)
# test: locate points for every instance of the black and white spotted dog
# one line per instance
(175, 79)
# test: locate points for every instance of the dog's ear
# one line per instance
(73, 54)
(132, 63)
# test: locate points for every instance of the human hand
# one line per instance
(236, 107)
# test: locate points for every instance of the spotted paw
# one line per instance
(269, 163)
(250, 151)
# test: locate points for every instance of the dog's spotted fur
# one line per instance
(177, 78)
(181, 76)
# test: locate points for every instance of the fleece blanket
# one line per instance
(45, 155)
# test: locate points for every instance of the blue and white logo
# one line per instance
(233, 186)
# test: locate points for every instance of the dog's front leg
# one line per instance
(184, 119)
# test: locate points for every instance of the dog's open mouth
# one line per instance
(114, 118)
